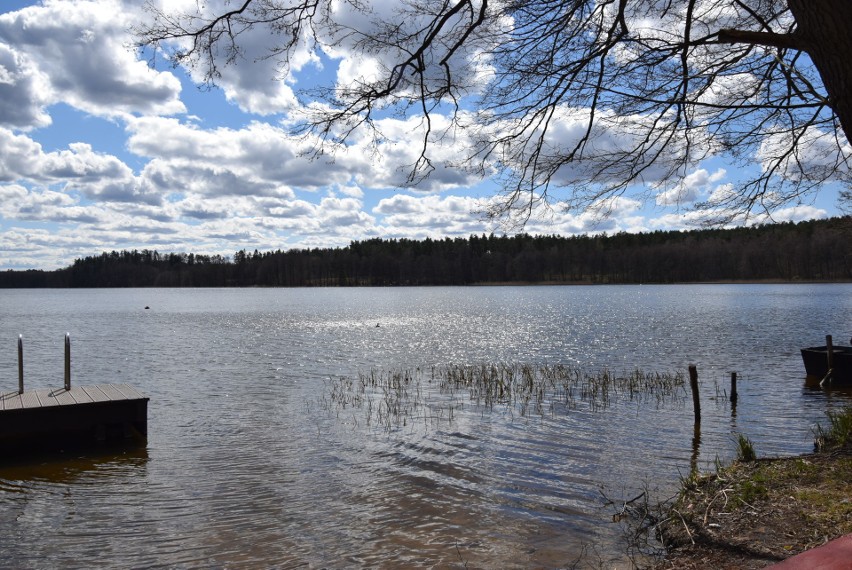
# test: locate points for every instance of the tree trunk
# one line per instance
(824, 28)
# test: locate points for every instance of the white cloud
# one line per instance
(259, 160)
(23, 91)
(178, 186)
(792, 214)
(20, 156)
(344, 215)
(255, 82)
(45, 205)
(389, 164)
(696, 219)
(468, 66)
(691, 188)
(421, 216)
(292, 210)
(611, 215)
(11, 192)
(73, 51)
(96, 175)
(610, 152)
(820, 155)
(721, 194)
(265, 160)
(352, 191)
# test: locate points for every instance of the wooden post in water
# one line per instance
(693, 384)
(20, 364)
(67, 361)
(734, 388)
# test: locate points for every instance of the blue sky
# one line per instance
(100, 152)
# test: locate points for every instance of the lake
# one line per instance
(248, 464)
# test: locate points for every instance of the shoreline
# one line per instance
(478, 284)
(751, 514)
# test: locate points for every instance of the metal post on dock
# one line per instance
(20, 364)
(67, 361)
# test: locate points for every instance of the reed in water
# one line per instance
(395, 398)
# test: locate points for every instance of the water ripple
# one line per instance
(245, 468)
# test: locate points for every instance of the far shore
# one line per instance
(477, 284)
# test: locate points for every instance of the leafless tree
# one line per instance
(569, 102)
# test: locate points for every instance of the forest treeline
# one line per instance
(816, 250)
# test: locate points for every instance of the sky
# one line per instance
(101, 151)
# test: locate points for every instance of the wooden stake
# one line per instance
(829, 352)
(733, 387)
(696, 401)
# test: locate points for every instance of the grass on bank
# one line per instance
(745, 449)
(758, 511)
(838, 434)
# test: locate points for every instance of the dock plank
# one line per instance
(63, 397)
(45, 397)
(13, 402)
(95, 393)
(30, 400)
(129, 391)
(80, 396)
(49, 397)
(111, 392)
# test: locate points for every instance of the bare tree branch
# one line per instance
(768, 39)
(572, 103)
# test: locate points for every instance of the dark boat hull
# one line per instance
(816, 363)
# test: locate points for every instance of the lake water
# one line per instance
(247, 465)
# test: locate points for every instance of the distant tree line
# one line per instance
(810, 251)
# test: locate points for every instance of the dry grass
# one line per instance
(754, 513)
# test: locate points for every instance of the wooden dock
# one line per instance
(58, 417)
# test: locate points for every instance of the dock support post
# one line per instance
(20, 364)
(734, 388)
(696, 401)
(67, 361)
